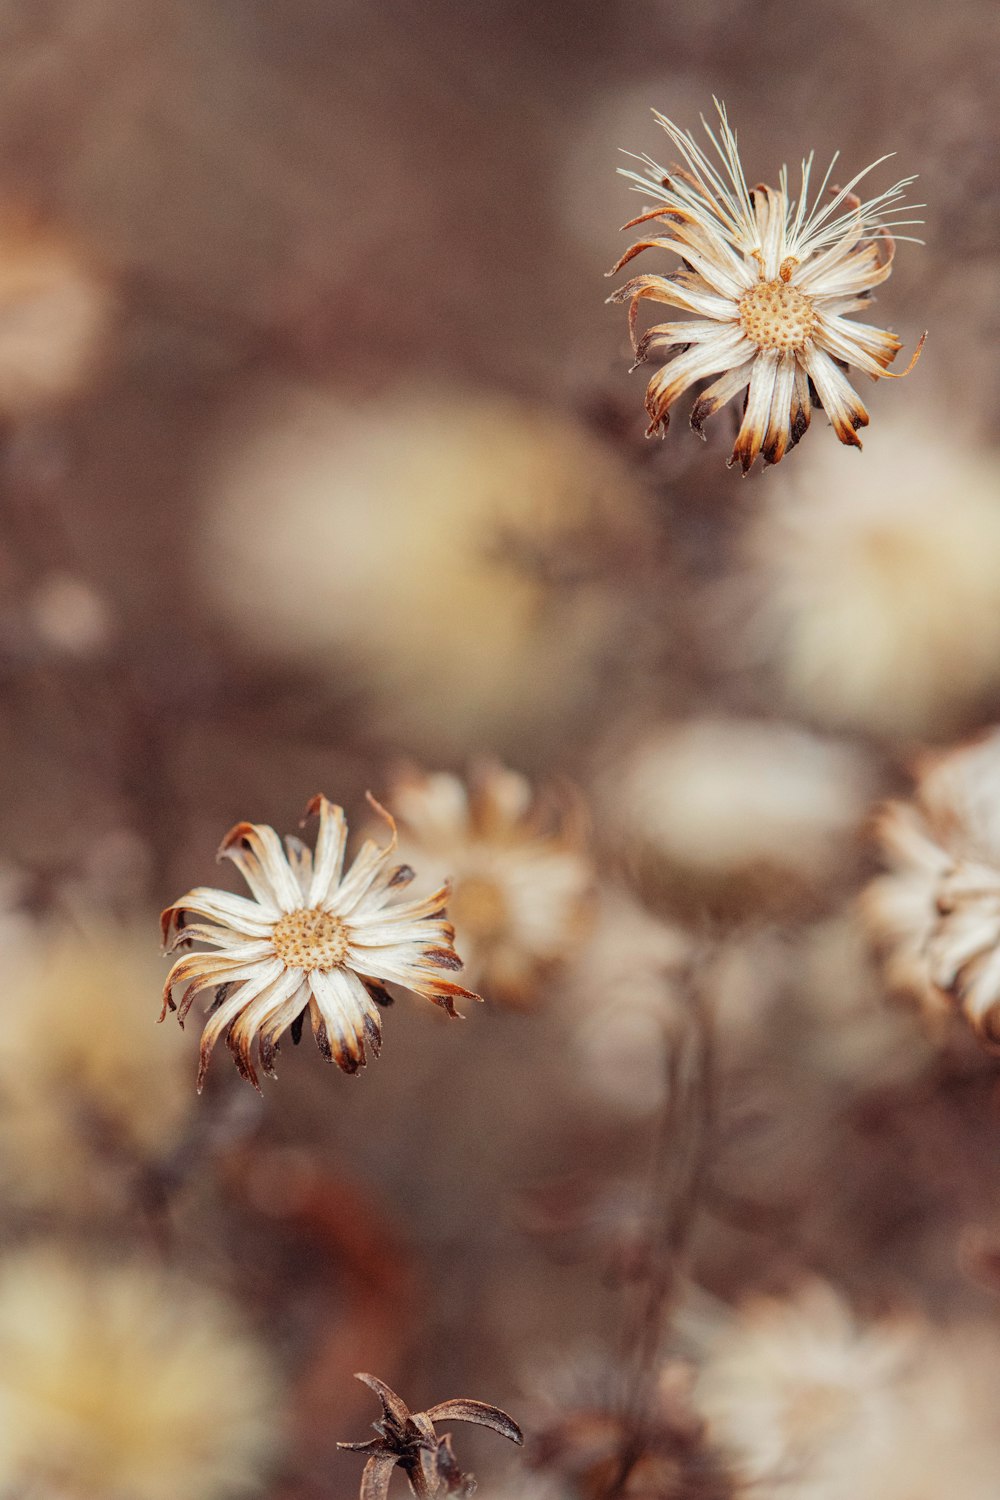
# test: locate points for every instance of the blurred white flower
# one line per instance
(802, 1394)
(519, 871)
(877, 586)
(86, 1094)
(936, 915)
(724, 800)
(449, 559)
(122, 1383)
(55, 312)
(852, 1038)
(69, 616)
(621, 1000)
(946, 1438)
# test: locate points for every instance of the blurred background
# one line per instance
(321, 460)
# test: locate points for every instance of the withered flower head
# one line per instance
(600, 1441)
(312, 938)
(409, 1439)
(770, 281)
(936, 914)
(522, 876)
(799, 1387)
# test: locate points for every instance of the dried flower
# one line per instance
(936, 915)
(770, 281)
(312, 938)
(945, 1440)
(521, 876)
(798, 1389)
(874, 612)
(408, 1439)
(739, 810)
(488, 529)
(601, 1437)
(86, 1095)
(122, 1381)
(622, 1001)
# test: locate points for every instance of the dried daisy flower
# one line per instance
(313, 938)
(875, 609)
(936, 914)
(86, 1095)
(521, 877)
(123, 1381)
(770, 281)
(798, 1390)
(409, 1440)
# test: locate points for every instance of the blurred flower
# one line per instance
(621, 1001)
(69, 616)
(715, 804)
(120, 1381)
(84, 1090)
(799, 1391)
(876, 614)
(852, 1038)
(936, 915)
(600, 1434)
(770, 281)
(520, 874)
(487, 531)
(54, 315)
(312, 938)
(946, 1439)
(408, 1439)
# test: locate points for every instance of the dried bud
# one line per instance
(408, 1439)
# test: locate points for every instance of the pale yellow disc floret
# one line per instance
(777, 316)
(311, 939)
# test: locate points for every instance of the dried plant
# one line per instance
(521, 874)
(312, 939)
(770, 281)
(409, 1440)
(936, 915)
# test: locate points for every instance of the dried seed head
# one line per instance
(311, 939)
(409, 1440)
(774, 315)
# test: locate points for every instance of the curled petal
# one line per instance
(477, 1411)
(376, 1475)
(256, 851)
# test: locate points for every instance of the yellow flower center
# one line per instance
(777, 316)
(311, 939)
(478, 908)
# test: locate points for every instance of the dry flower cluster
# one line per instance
(701, 802)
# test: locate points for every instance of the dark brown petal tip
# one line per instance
(238, 834)
(373, 1035)
(443, 958)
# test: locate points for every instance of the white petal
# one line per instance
(331, 842)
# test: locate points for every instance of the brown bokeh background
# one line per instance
(370, 202)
